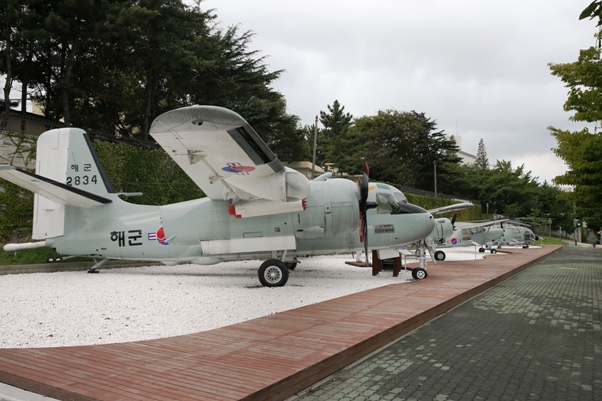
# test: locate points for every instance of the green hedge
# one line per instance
(16, 212)
(151, 172)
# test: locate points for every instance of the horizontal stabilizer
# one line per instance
(451, 208)
(25, 245)
(55, 191)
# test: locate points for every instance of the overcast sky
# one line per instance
(479, 68)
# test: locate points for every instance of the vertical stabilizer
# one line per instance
(65, 155)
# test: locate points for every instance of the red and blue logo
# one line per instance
(453, 241)
(158, 236)
(238, 168)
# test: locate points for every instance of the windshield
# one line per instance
(400, 197)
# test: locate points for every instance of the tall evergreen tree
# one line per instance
(482, 162)
(336, 124)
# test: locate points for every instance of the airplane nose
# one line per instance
(424, 223)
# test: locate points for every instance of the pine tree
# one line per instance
(336, 125)
(482, 163)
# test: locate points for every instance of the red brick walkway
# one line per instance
(272, 357)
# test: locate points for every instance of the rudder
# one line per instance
(65, 155)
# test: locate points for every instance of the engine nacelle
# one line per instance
(332, 209)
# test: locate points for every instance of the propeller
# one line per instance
(363, 185)
(453, 220)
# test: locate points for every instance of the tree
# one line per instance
(507, 190)
(280, 131)
(482, 162)
(593, 10)
(401, 148)
(115, 65)
(582, 150)
(9, 13)
(336, 125)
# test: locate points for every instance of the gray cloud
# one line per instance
(479, 68)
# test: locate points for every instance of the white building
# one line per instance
(466, 157)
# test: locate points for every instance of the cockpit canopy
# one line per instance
(391, 200)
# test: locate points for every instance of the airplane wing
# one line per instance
(479, 224)
(225, 157)
(55, 191)
(451, 208)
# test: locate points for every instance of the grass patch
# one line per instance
(549, 241)
(32, 256)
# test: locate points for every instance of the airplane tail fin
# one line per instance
(68, 172)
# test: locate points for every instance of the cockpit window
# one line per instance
(400, 197)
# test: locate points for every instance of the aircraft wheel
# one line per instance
(499, 247)
(291, 265)
(481, 249)
(273, 273)
(419, 273)
(439, 255)
(494, 251)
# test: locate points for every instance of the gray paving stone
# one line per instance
(536, 336)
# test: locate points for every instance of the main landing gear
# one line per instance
(274, 272)
(96, 266)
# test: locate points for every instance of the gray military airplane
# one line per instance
(256, 208)
(447, 235)
(516, 236)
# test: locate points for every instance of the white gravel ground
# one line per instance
(130, 304)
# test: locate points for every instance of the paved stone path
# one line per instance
(536, 336)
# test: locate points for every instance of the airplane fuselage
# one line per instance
(204, 231)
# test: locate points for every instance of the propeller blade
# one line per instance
(453, 219)
(364, 186)
(365, 231)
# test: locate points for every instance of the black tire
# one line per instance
(481, 249)
(439, 255)
(419, 273)
(273, 273)
(291, 265)
(494, 251)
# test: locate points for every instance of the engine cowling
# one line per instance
(332, 209)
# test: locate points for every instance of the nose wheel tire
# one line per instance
(440, 255)
(273, 273)
(419, 273)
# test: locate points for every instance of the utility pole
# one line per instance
(435, 164)
(313, 163)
